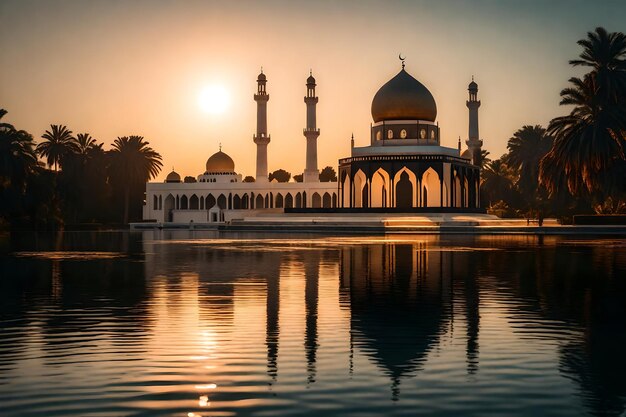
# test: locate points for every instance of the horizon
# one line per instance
(144, 76)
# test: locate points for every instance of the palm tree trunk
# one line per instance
(126, 203)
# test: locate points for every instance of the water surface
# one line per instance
(199, 324)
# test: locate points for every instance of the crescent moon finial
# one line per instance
(401, 59)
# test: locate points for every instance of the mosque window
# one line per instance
(432, 134)
(423, 134)
(378, 135)
(403, 134)
(390, 134)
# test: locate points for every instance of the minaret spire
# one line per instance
(473, 141)
(311, 132)
(261, 138)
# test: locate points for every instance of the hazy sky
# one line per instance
(117, 68)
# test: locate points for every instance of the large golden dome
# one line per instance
(219, 162)
(403, 98)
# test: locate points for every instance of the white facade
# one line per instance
(206, 202)
(219, 193)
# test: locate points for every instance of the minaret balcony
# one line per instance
(310, 130)
(261, 139)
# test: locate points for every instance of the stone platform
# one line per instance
(390, 223)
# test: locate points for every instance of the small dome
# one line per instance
(172, 177)
(220, 162)
(466, 154)
(261, 77)
(403, 98)
(310, 80)
(472, 86)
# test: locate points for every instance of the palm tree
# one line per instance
(604, 52)
(132, 164)
(84, 142)
(589, 144)
(17, 155)
(497, 182)
(484, 158)
(58, 143)
(526, 148)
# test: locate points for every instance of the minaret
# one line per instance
(311, 132)
(261, 138)
(473, 142)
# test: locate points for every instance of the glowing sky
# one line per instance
(115, 68)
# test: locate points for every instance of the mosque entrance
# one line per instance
(404, 192)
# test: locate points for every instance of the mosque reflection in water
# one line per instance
(401, 301)
(403, 297)
(285, 315)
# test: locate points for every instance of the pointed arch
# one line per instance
(209, 201)
(221, 201)
(380, 188)
(194, 203)
(299, 200)
(279, 201)
(359, 183)
(155, 202)
(245, 201)
(345, 190)
(258, 202)
(405, 192)
(236, 202)
(334, 200)
(288, 201)
(184, 203)
(170, 203)
(431, 186)
(316, 200)
(327, 201)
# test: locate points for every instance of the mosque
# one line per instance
(403, 170)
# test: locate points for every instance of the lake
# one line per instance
(184, 323)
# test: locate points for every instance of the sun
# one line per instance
(214, 99)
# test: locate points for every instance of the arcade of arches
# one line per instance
(239, 201)
(427, 182)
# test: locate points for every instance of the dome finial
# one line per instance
(401, 59)
(261, 69)
(220, 146)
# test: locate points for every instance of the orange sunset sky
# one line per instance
(117, 68)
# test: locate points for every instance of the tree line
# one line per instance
(577, 164)
(85, 183)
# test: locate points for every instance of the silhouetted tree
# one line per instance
(588, 155)
(83, 180)
(189, 179)
(58, 142)
(497, 183)
(18, 162)
(484, 157)
(249, 179)
(298, 178)
(328, 174)
(526, 148)
(280, 175)
(132, 164)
